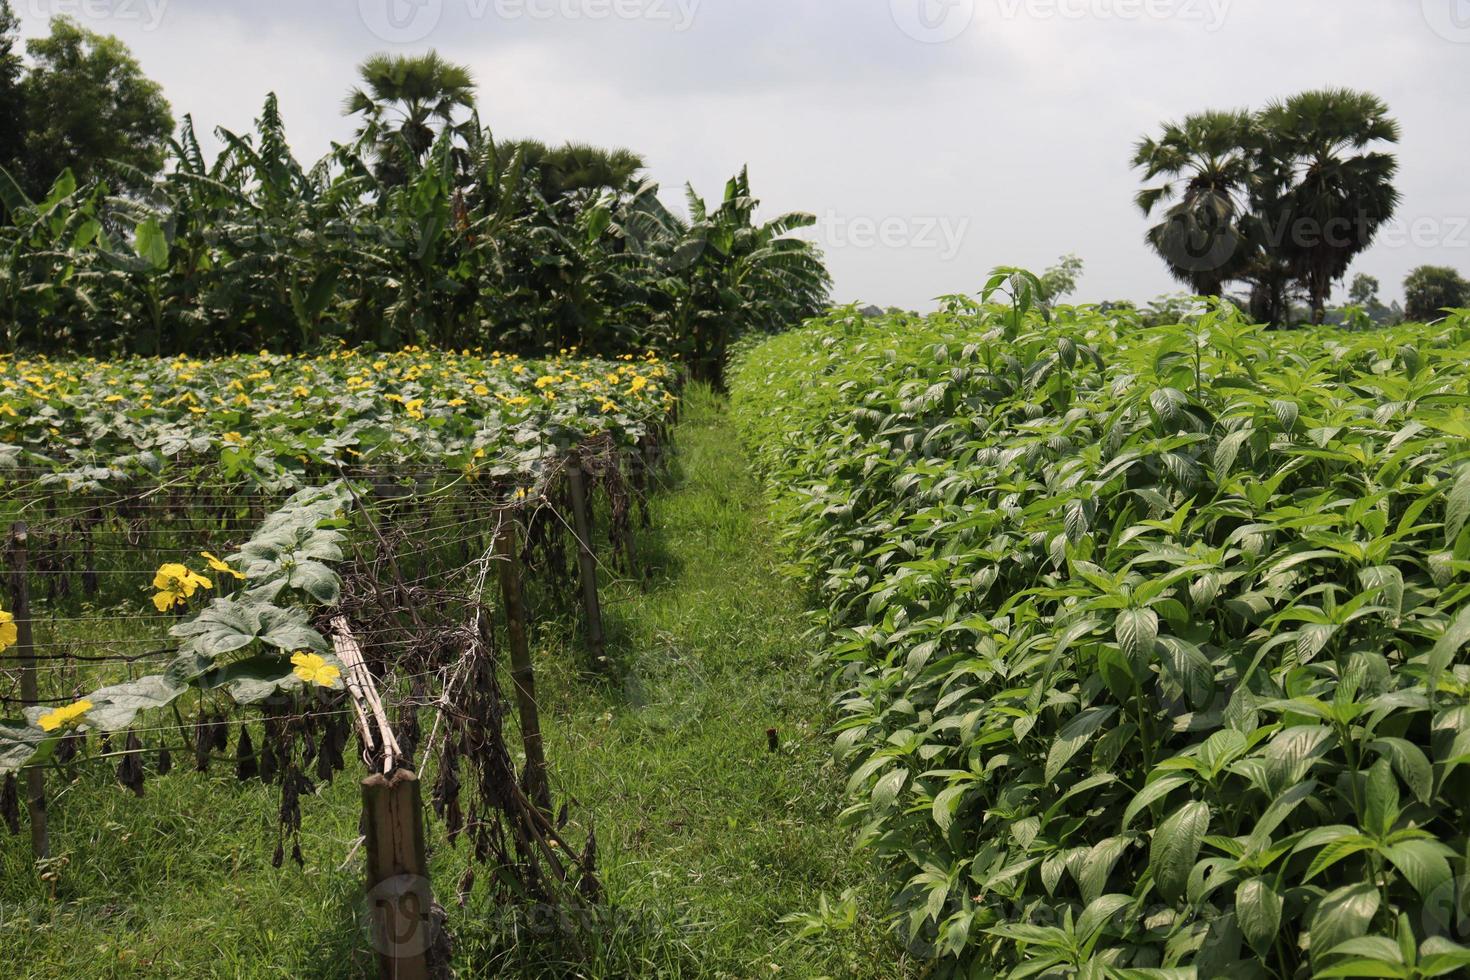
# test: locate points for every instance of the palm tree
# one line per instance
(574, 167)
(1207, 164)
(1338, 192)
(406, 101)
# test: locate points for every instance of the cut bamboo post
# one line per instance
(363, 693)
(587, 563)
(522, 673)
(400, 900)
(20, 597)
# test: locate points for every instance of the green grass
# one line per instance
(707, 838)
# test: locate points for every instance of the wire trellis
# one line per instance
(435, 582)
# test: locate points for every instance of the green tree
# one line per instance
(12, 104)
(1206, 164)
(88, 106)
(1336, 191)
(405, 102)
(1432, 288)
(732, 276)
(1364, 290)
(575, 166)
(1060, 280)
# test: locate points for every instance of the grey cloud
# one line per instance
(1013, 134)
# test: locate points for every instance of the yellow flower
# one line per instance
(456, 402)
(9, 635)
(232, 438)
(315, 670)
(175, 584)
(219, 566)
(546, 381)
(70, 715)
(638, 383)
(609, 407)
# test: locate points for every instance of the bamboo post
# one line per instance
(400, 900)
(587, 563)
(522, 673)
(29, 694)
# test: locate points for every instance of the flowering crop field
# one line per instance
(196, 541)
(1153, 640)
(272, 422)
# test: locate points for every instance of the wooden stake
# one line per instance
(20, 597)
(400, 900)
(363, 693)
(587, 562)
(522, 673)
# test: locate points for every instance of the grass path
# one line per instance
(707, 838)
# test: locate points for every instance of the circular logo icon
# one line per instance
(1445, 912)
(398, 916)
(401, 21)
(1450, 19)
(933, 21)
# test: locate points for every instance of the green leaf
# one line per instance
(1137, 630)
(1341, 915)
(1382, 800)
(223, 627)
(1258, 910)
(151, 244)
(18, 744)
(1411, 766)
(232, 624)
(1457, 506)
(946, 803)
(317, 580)
(1176, 845)
(1448, 646)
(885, 791)
(114, 708)
(1156, 790)
(1423, 863)
(1075, 735)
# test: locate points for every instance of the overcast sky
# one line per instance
(934, 139)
